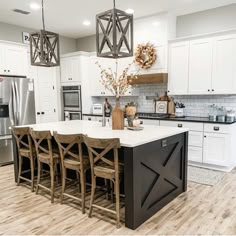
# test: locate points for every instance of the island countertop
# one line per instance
(94, 129)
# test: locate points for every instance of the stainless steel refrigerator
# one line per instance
(17, 107)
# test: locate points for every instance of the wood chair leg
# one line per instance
(117, 193)
(107, 189)
(79, 180)
(38, 177)
(20, 170)
(32, 173)
(63, 185)
(92, 195)
(56, 173)
(112, 191)
(52, 173)
(82, 183)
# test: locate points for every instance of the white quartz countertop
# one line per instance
(94, 129)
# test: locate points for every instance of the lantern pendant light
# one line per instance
(44, 47)
(114, 34)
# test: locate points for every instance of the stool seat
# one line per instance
(106, 171)
(72, 161)
(46, 157)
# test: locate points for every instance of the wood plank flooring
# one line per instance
(201, 210)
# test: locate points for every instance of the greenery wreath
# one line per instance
(145, 55)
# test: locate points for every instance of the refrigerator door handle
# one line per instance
(11, 106)
(17, 102)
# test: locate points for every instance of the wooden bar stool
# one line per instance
(25, 149)
(45, 155)
(105, 168)
(70, 147)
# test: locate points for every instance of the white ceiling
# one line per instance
(66, 16)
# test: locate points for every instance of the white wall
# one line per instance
(13, 33)
(217, 19)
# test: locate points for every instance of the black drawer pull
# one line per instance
(180, 125)
(89, 119)
(141, 122)
(216, 128)
(164, 143)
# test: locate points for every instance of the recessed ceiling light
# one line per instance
(35, 6)
(156, 23)
(87, 23)
(129, 11)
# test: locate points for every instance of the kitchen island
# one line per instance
(155, 164)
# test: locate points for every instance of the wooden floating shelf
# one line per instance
(149, 79)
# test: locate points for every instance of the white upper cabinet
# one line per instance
(13, 60)
(71, 70)
(209, 66)
(224, 65)
(200, 66)
(178, 68)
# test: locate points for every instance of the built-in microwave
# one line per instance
(72, 115)
(72, 98)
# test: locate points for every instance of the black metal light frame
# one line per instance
(108, 24)
(44, 47)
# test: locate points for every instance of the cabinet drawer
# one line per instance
(218, 128)
(90, 118)
(182, 124)
(194, 154)
(149, 122)
(195, 139)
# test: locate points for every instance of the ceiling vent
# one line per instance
(21, 11)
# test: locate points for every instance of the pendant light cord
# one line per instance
(114, 3)
(43, 16)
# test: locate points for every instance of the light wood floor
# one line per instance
(201, 210)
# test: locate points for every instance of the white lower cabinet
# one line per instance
(209, 144)
(217, 149)
(195, 154)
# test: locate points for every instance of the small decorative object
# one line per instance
(145, 55)
(44, 47)
(130, 113)
(118, 86)
(114, 34)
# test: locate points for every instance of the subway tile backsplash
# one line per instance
(196, 105)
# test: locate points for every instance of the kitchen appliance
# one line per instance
(179, 109)
(72, 102)
(17, 107)
(97, 109)
(72, 115)
(230, 116)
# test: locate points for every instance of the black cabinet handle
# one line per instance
(5, 70)
(8, 70)
(216, 128)
(42, 113)
(89, 119)
(141, 122)
(208, 90)
(180, 125)
(213, 90)
(168, 91)
(38, 113)
(205, 136)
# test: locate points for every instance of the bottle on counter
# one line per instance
(107, 108)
